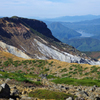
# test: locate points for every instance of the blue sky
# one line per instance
(49, 8)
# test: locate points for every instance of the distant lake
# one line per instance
(83, 34)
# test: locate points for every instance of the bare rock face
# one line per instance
(4, 91)
(13, 50)
(30, 38)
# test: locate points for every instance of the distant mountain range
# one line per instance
(61, 32)
(91, 26)
(73, 18)
(72, 33)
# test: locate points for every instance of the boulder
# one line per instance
(82, 94)
(43, 76)
(4, 91)
(70, 98)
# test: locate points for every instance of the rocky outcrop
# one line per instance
(55, 53)
(13, 50)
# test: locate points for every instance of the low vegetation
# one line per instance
(47, 94)
(26, 70)
(76, 82)
(18, 76)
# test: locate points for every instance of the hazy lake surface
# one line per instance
(83, 34)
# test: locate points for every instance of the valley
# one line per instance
(83, 34)
(87, 30)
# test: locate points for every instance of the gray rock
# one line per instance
(2, 70)
(43, 76)
(79, 89)
(0, 88)
(15, 92)
(1, 75)
(82, 94)
(7, 80)
(79, 99)
(26, 98)
(11, 99)
(92, 97)
(5, 91)
(92, 89)
(70, 98)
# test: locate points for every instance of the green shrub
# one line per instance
(70, 76)
(59, 66)
(32, 68)
(94, 69)
(19, 71)
(75, 69)
(51, 76)
(74, 72)
(51, 63)
(64, 75)
(33, 61)
(98, 73)
(40, 65)
(29, 61)
(85, 68)
(88, 78)
(6, 63)
(86, 73)
(15, 63)
(63, 70)
(70, 68)
(47, 69)
(10, 60)
(80, 73)
(70, 72)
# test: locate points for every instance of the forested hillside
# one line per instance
(61, 32)
(85, 44)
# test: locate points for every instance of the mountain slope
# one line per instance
(61, 32)
(85, 44)
(89, 26)
(36, 40)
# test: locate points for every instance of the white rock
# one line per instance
(13, 50)
(62, 56)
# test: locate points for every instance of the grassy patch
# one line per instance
(19, 77)
(51, 76)
(71, 81)
(46, 94)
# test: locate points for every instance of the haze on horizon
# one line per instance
(48, 8)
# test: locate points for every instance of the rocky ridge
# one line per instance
(36, 40)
